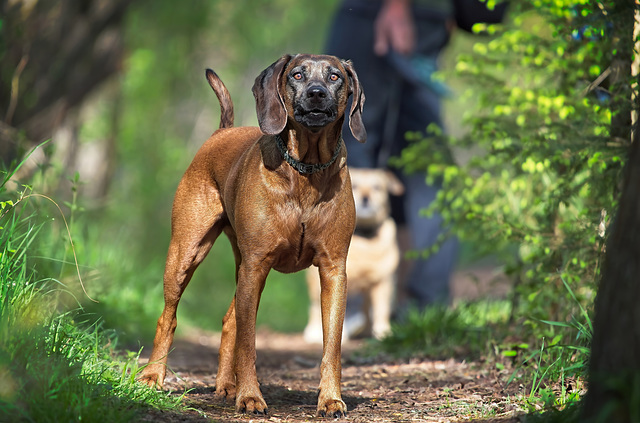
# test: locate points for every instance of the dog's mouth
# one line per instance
(316, 113)
(315, 117)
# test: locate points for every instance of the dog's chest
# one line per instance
(302, 234)
(288, 219)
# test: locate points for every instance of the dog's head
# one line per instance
(371, 189)
(313, 90)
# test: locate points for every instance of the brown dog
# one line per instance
(282, 195)
(373, 256)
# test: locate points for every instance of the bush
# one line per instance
(547, 146)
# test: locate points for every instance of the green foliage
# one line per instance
(158, 111)
(542, 181)
(55, 371)
(547, 140)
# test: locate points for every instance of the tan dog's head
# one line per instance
(371, 189)
(313, 90)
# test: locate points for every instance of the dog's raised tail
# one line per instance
(226, 105)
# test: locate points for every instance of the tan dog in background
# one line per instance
(282, 195)
(373, 256)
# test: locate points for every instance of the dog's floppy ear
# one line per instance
(272, 114)
(394, 186)
(357, 101)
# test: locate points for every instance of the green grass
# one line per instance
(469, 330)
(555, 371)
(569, 414)
(56, 365)
(56, 371)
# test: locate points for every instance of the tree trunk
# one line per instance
(54, 54)
(614, 370)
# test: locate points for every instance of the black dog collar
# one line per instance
(306, 168)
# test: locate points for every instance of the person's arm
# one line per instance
(394, 28)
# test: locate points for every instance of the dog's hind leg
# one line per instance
(226, 376)
(195, 227)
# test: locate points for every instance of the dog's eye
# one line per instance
(334, 77)
(297, 76)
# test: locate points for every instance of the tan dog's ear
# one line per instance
(394, 185)
(355, 115)
(272, 114)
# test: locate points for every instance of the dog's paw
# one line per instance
(335, 408)
(251, 404)
(226, 390)
(152, 376)
(381, 331)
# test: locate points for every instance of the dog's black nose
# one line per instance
(317, 92)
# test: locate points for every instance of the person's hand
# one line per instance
(394, 29)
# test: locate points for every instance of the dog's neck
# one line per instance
(310, 152)
(306, 168)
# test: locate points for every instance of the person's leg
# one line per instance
(428, 279)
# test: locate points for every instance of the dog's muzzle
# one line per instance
(316, 108)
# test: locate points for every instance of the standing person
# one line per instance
(394, 45)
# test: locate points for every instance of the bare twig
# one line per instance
(596, 83)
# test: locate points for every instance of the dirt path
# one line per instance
(288, 370)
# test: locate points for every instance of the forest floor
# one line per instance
(375, 390)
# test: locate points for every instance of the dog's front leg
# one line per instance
(333, 297)
(379, 311)
(251, 280)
